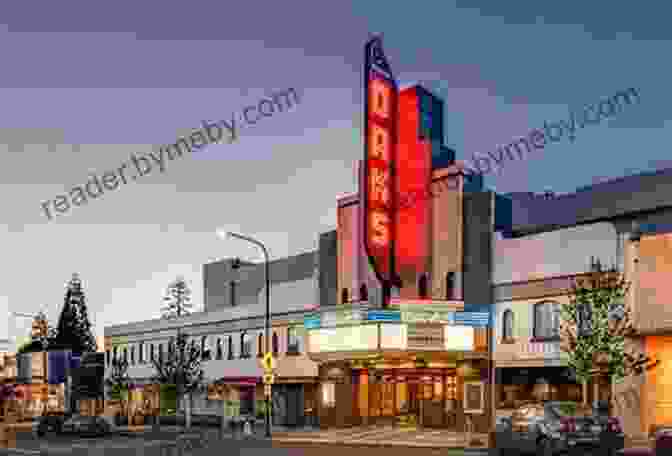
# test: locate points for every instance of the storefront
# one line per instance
(430, 374)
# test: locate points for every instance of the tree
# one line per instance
(73, 331)
(177, 299)
(39, 336)
(595, 326)
(118, 380)
(181, 366)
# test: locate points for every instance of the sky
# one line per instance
(83, 86)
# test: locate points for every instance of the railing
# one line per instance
(525, 349)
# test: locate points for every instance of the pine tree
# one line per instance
(74, 328)
(177, 299)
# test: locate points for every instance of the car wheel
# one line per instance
(544, 447)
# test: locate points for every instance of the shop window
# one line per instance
(140, 350)
(422, 286)
(260, 345)
(219, 348)
(292, 341)
(507, 325)
(329, 395)
(344, 296)
(229, 348)
(450, 285)
(274, 340)
(547, 320)
(363, 293)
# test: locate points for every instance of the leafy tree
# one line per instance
(118, 380)
(595, 325)
(74, 328)
(177, 299)
(39, 336)
(180, 366)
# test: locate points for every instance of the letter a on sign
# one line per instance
(380, 140)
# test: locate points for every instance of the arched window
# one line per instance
(219, 348)
(260, 345)
(125, 354)
(151, 352)
(229, 348)
(344, 296)
(547, 320)
(133, 355)
(204, 348)
(160, 352)
(422, 286)
(141, 348)
(274, 341)
(363, 293)
(245, 345)
(507, 325)
(450, 285)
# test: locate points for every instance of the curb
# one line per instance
(369, 443)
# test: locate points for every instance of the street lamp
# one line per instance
(267, 392)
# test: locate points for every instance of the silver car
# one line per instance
(556, 427)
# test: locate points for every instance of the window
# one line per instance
(274, 340)
(125, 354)
(107, 357)
(205, 352)
(292, 341)
(160, 352)
(219, 348)
(151, 352)
(450, 285)
(229, 348)
(232, 290)
(260, 345)
(114, 354)
(422, 286)
(132, 355)
(171, 345)
(329, 394)
(507, 325)
(363, 293)
(344, 296)
(546, 320)
(140, 349)
(245, 345)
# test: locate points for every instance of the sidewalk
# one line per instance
(383, 436)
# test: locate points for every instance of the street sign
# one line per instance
(268, 362)
(269, 379)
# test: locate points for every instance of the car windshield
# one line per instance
(563, 409)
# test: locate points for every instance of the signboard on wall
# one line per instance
(380, 138)
(347, 338)
(424, 337)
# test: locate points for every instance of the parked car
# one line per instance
(555, 427)
(51, 422)
(87, 425)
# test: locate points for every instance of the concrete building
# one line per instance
(231, 333)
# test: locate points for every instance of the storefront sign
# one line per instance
(383, 315)
(459, 338)
(347, 338)
(428, 317)
(424, 337)
(476, 319)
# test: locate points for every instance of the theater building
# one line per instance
(423, 356)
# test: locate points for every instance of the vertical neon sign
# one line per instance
(380, 139)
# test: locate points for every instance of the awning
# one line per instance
(239, 381)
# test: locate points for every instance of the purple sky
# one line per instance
(83, 86)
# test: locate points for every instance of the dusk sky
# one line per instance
(84, 85)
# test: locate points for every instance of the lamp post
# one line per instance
(267, 392)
